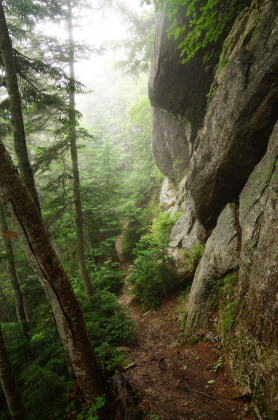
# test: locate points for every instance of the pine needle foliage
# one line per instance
(40, 364)
(149, 275)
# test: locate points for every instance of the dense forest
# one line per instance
(87, 178)
(89, 228)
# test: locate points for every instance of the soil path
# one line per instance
(174, 383)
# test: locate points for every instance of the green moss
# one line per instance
(217, 289)
(193, 255)
(259, 405)
(181, 309)
(229, 316)
(193, 340)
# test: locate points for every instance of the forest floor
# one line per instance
(174, 382)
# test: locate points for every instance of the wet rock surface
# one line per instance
(221, 256)
(186, 232)
(231, 194)
(240, 119)
(170, 143)
(177, 88)
(248, 245)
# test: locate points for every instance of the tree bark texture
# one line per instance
(74, 158)
(11, 392)
(19, 305)
(20, 145)
(5, 306)
(40, 253)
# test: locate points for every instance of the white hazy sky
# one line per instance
(107, 25)
(100, 28)
(97, 28)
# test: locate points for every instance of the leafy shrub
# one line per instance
(42, 383)
(218, 364)
(39, 364)
(91, 413)
(43, 391)
(108, 326)
(149, 276)
(207, 21)
(133, 232)
(107, 277)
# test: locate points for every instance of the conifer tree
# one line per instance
(75, 170)
(40, 253)
(6, 53)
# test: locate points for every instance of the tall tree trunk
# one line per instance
(74, 158)
(5, 303)
(6, 52)
(11, 392)
(13, 276)
(40, 253)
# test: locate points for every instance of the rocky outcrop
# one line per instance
(186, 233)
(220, 257)
(247, 244)
(231, 186)
(179, 89)
(167, 196)
(258, 283)
(170, 144)
(178, 95)
(240, 119)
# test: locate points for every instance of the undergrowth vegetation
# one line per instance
(193, 255)
(217, 288)
(150, 276)
(40, 365)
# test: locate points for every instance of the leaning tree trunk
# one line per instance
(6, 53)
(35, 240)
(19, 305)
(75, 171)
(11, 392)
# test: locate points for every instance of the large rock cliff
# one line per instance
(216, 133)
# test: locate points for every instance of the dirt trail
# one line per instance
(175, 383)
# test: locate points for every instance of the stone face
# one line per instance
(171, 199)
(186, 232)
(221, 257)
(177, 88)
(167, 196)
(258, 277)
(247, 240)
(239, 122)
(171, 149)
(232, 188)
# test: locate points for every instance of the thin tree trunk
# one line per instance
(40, 253)
(6, 52)
(13, 276)
(74, 158)
(11, 392)
(5, 302)
(26, 309)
